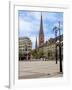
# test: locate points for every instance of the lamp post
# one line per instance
(60, 57)
(55, 29)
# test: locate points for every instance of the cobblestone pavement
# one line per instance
(38, 69)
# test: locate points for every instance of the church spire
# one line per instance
(41, 33)
(41, 25)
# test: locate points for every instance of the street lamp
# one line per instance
(60, 57)
(55, 29)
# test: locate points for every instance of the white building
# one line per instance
(25, 47)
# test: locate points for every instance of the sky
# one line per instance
(29, 24)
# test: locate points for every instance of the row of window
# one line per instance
(23, 46)
(25, 43)
(25, 49)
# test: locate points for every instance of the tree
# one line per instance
(49, 54)
(21, 56)
(34, 54)
(41, 54)
(55, 29)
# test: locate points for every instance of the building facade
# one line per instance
(48, 48)
(25, 47)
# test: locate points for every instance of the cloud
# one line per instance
(28, 27)
(29, 15)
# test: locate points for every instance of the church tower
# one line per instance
(36, 44)
(41, 33)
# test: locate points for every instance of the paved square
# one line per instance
(38, 69)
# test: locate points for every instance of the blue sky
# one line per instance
(29, 24)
